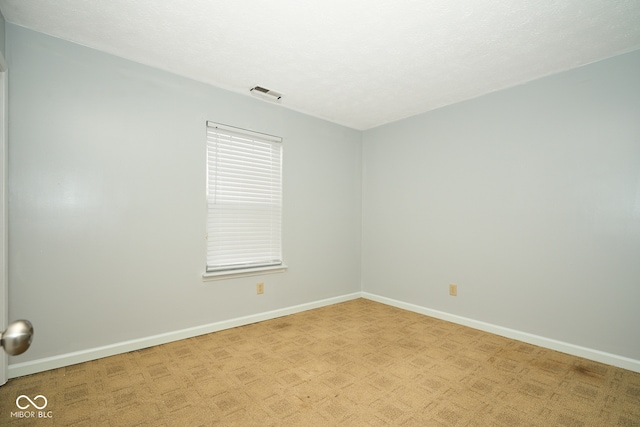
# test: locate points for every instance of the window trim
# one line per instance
(247, 270)
(244, 272)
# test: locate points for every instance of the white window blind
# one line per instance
(244, 198)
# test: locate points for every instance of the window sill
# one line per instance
(231, 274)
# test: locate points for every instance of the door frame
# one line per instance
(4, 216)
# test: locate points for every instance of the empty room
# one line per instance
(305, 213)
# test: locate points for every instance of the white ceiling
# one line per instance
(360, 63)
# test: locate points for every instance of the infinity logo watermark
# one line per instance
(23, 397)
(25, 402)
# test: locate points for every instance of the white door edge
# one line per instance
(4, 213)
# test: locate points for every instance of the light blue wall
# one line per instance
(107, 200)
(2, 34)
(528, 199)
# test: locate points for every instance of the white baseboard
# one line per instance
(40, 365)
(563, 347)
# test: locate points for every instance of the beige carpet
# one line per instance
(358, 363)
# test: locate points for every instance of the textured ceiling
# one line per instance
(360, 63)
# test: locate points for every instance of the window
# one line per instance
(244, 201)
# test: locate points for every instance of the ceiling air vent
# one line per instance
(266, 94)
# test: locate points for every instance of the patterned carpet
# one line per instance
(358, 363)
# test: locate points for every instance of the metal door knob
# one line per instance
(17, 338)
